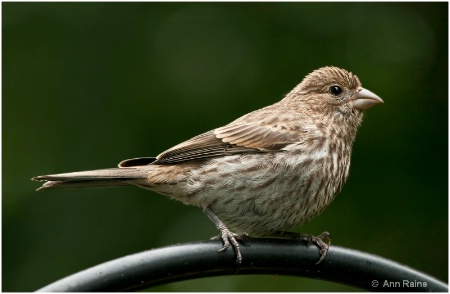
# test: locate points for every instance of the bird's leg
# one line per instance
(309, 239)
(228, 238)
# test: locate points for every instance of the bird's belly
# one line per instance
(259, 195)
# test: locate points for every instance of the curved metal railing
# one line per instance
(262, 256)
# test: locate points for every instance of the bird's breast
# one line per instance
(265, 192)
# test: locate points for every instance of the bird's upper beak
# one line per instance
(365, 99)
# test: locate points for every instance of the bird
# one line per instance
(260, 175)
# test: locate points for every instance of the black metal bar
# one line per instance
(262, 256)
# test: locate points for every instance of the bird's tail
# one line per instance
(112, 177)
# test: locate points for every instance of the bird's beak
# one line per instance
(365, 99)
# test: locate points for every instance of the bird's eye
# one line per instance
(335, 90)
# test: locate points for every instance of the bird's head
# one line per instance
(335, 91)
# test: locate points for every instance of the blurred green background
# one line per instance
(86, 85)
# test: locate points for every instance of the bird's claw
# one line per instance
(228, 237)
(310, 239)
(231, 239)
(318, 241)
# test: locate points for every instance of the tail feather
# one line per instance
(113, 177)
(82, 184)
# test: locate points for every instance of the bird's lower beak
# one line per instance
(365, 99)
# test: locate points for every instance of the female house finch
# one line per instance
(267, 171)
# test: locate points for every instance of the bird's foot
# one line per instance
(318, 241)
(231, 239)
(310, 239)
(228, 237)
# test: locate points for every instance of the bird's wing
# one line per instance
(259, 131)
(201, 146)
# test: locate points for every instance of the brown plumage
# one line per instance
(267, 171)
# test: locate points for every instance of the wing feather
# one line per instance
(201, 146)
(259, 131)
